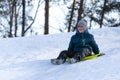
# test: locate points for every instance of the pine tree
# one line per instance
(101, 10)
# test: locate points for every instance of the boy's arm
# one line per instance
(94, 45)
(71, 45)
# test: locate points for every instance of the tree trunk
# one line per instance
(46, 28)
(33, 18)
(11, 20)
(16, 27)
(71, 16)
(102, 13)
(80, 11)
(23, 18)
(90, 23)
(11, 25)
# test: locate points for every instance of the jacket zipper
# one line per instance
(83, 40)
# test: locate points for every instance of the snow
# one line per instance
(28, 58)
(57, 15)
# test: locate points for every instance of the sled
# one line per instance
(84, 59)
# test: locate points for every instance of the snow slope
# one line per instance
(28, 58)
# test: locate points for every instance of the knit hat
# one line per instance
(83, 23)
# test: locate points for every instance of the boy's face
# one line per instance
(81, 29)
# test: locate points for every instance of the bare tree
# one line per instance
(71, 15)
(33, 20)
(23, 18)
(46, 26)
(102, 13)
(80, 11)
(10, 11)
(11, 18)
(16, 16)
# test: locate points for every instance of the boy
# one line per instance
(82, 44)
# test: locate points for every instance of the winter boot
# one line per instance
(73, 60)
(57, 61)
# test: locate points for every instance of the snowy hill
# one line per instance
(27, 58)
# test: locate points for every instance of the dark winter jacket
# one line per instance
(83, 40)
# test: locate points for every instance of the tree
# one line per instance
(102, 13)
(80, 11)
(113, 7)
(8, 12)
(14, 15)
(11, 17)
(90, 11)
(33, 19)
(23, 18)
(46, 28)
(100, 10)
(74, 14)
(71, 15)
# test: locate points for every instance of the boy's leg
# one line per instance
(80, 55)
(83, 53)
(66, 54)
(86, 52)
(62, 57)
(76, 58)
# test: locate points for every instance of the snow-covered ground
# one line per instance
(28, 58)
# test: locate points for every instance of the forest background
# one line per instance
(20, 18)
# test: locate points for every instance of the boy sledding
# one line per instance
(82, 46)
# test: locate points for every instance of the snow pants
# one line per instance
(76, 55)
